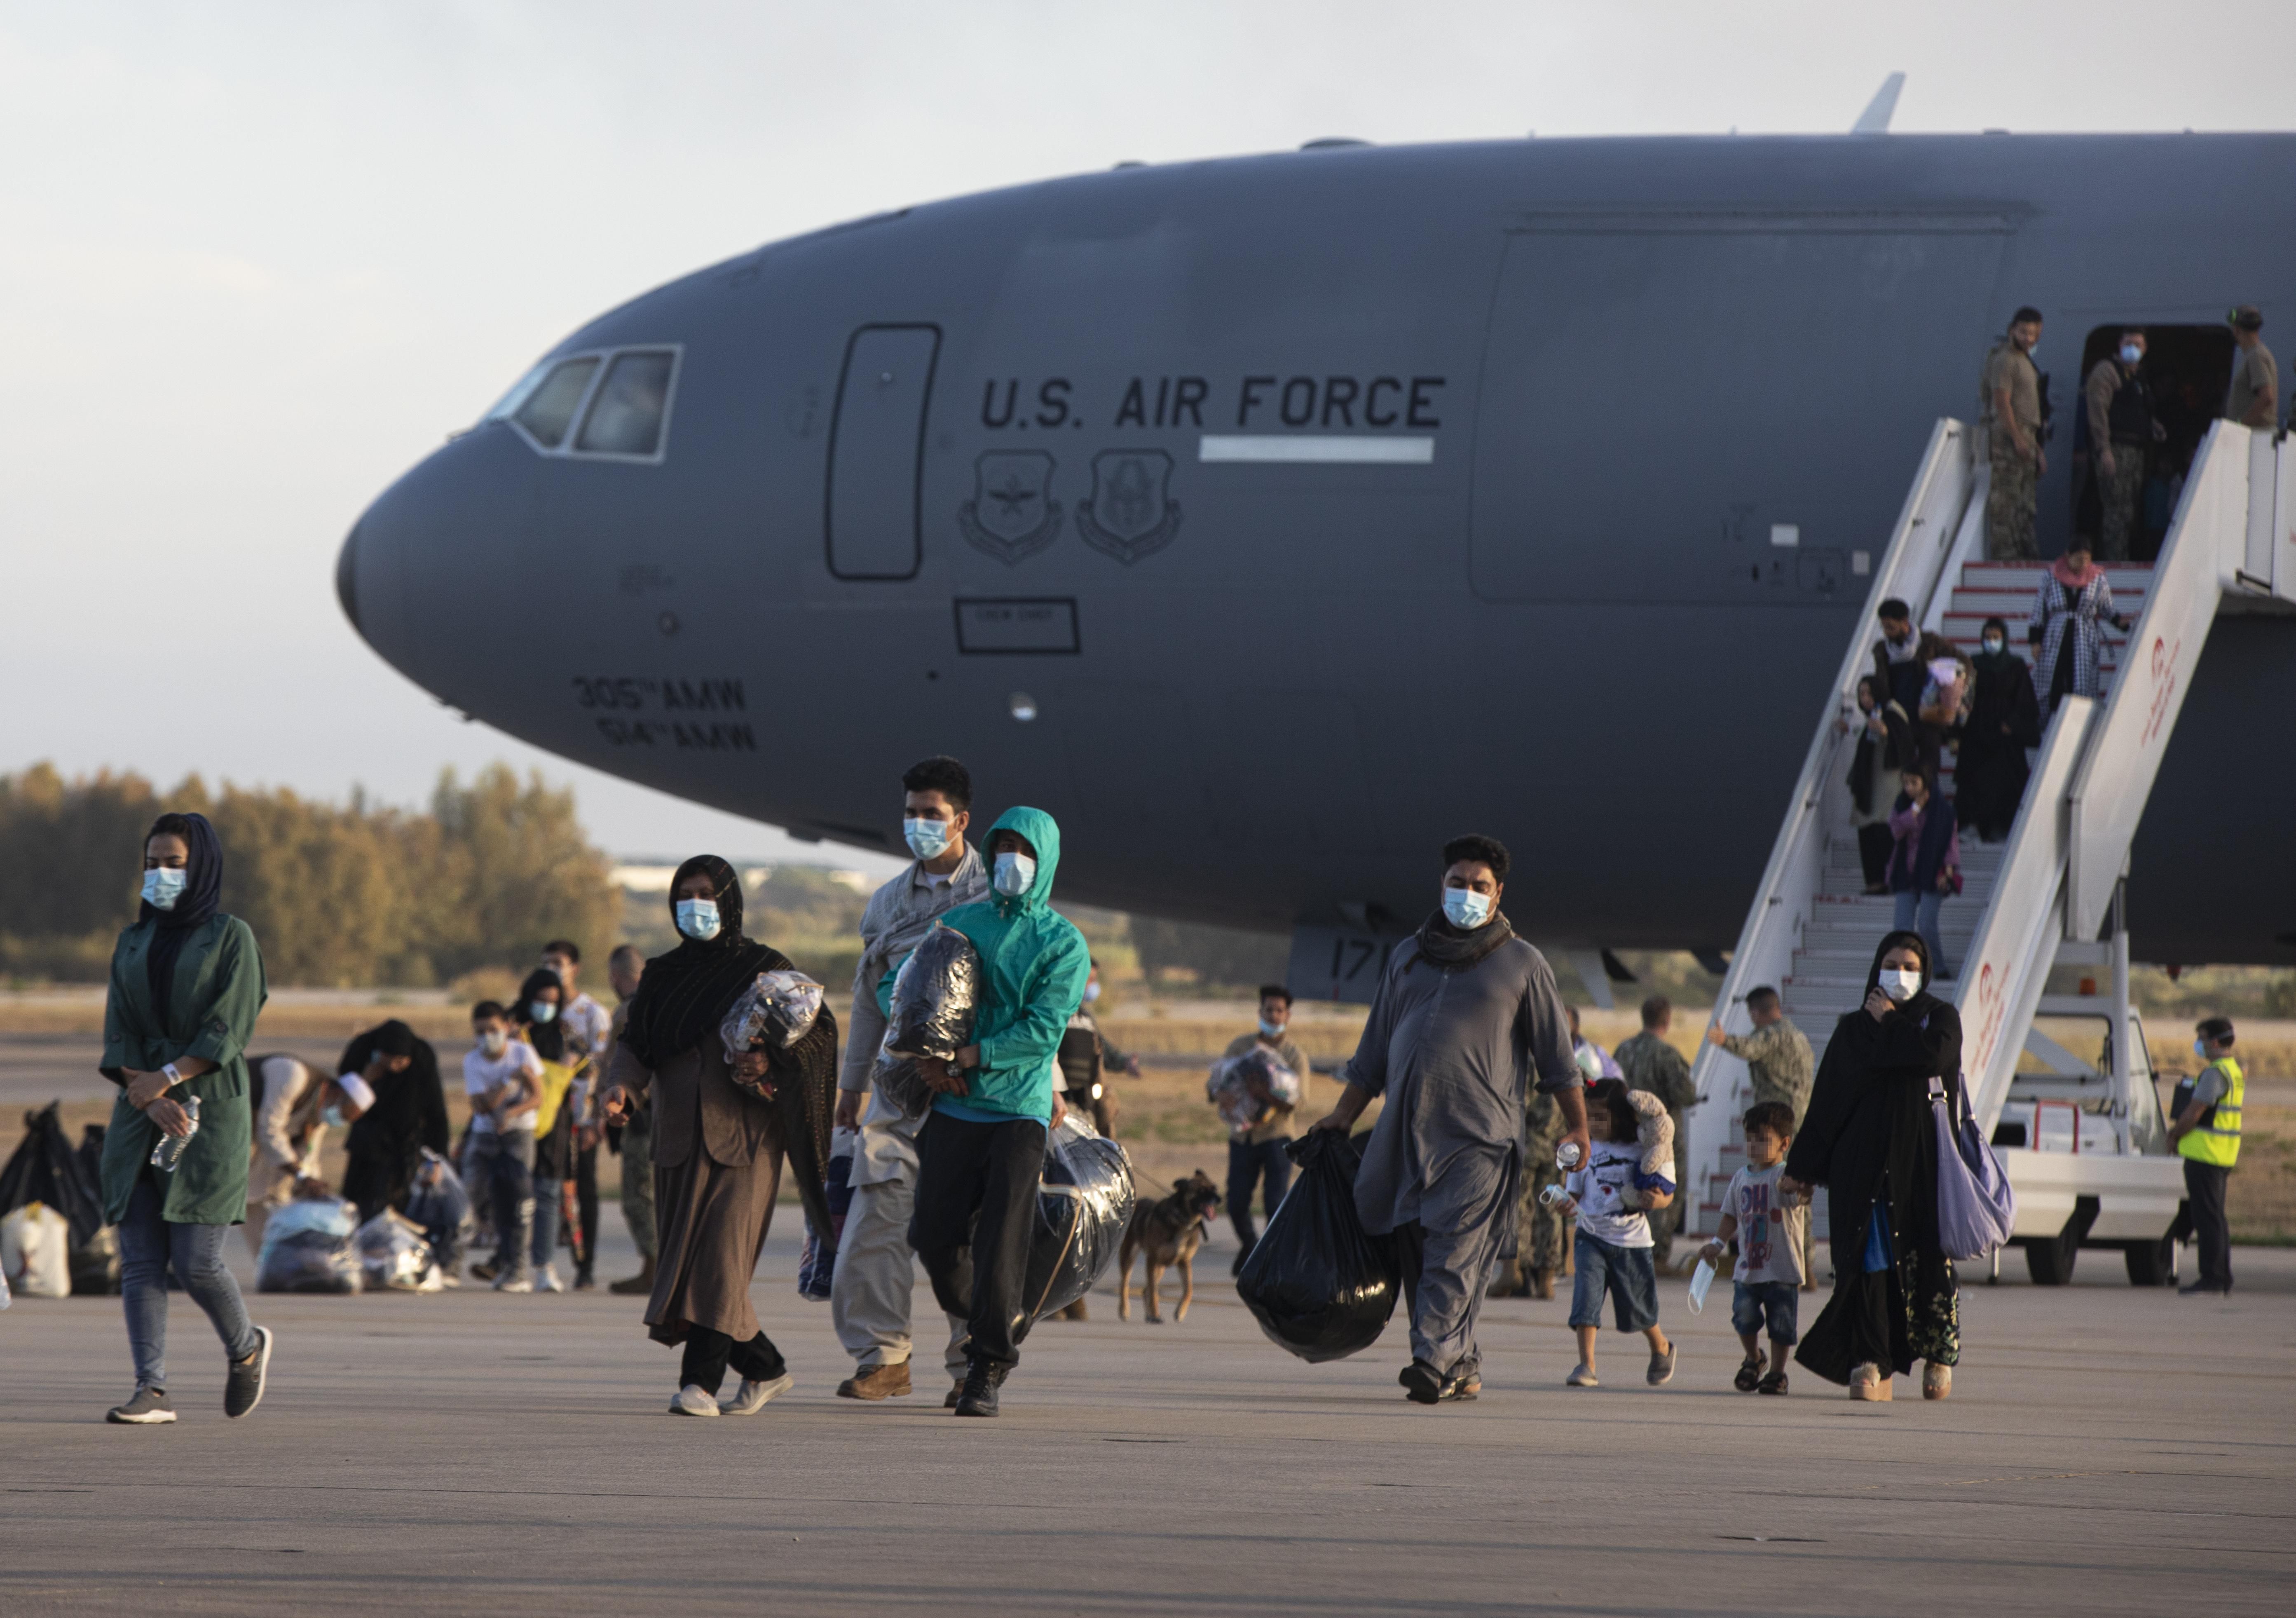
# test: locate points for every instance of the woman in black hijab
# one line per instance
(717, 1141)
(386, 1141)
(1869, 1140)
(2005, 720)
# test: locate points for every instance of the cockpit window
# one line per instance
(549, 410)
(626, 415)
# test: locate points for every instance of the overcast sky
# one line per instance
(256, 259)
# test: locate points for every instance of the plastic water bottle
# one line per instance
(1566, 1157)
(1700, 1278)
(170, 1152)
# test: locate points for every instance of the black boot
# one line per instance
(982, 1378)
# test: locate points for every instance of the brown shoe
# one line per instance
(636, 1284)
(1542, 1284)
(877, 1381)
(955, 1394)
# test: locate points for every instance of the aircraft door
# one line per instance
(876, 451)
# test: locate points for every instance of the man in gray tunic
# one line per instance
(1465, 1013)
(871, 1288)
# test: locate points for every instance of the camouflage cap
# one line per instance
(2245, 317)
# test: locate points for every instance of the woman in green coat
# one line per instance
(187, 984)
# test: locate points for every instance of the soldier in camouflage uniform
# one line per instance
(1542, 1239)
(2009, 414)
(1781, 1067)
(1651, 1064)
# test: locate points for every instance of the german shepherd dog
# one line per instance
(1167, 1233)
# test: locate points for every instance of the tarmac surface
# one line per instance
(2107, 1451)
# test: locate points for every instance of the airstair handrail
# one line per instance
(1923, 539)
(2008, 962)
(2201, 560)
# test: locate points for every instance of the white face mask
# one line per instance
(1465, 909)
(697, 918)
(1015, 875)
(1901, 983)
(1273, 1030)
(494, 1041)
(1993, 645)
(2130, 354)
(1091, 993)
(163, 886)
(332, 1116)
(927, 839)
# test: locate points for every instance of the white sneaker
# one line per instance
(1582, 1379)
(753, 1395)
(691, 1401)
(548, 1281)
(513, 1283)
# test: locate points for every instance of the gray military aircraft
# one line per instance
(1270, 520)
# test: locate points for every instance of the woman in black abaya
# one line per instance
(1869, 1139)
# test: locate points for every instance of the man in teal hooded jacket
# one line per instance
(981, 1153)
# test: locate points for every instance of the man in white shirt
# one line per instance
(871, 1289)
(586, 1025)
(293, 1110)
(503, 1079)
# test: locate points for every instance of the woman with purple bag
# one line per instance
(1871, 1139)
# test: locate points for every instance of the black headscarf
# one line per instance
(686, 994)
(385, 1142)
(195, 906)
(548, 1038)
(1453, 947)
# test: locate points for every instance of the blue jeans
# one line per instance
(1918, 913)
(1248, 1166)
(548, 1201)
(504, 1163)
(1626, 1273)
(148, 1244)
(1775, 1303)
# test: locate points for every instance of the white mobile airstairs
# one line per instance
(2085, 1142)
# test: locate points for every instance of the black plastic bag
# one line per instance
(47, 1168)
(1318, 1283)
(934, 1001)
(1083, 1207)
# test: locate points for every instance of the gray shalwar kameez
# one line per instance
(1452, 1050)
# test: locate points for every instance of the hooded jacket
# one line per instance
(1036, 963)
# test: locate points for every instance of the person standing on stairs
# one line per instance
(2074, 600)
(1925, 866)
(2253, 398)
(2118, 400)
(1871, 781)
(2009, 409)
(1869, 1138)
(2005, 720)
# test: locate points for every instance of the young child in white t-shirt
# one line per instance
(1768, 1277)
(1611, 1252)
(504, 1080)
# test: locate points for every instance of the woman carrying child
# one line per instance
(1610, 1194)
(1868, 1138)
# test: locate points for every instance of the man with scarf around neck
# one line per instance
(980, 1154)
(723, 1120)
(1465, 1013)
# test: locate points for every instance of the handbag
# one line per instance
(1976, 1208)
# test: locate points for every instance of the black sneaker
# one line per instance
(1775, 1383)
(485, 1270)
(2199, 1287)
(243, 1391)
(1749, 1372)
(148, 1408)
(980, 1384)
(1423, 1383)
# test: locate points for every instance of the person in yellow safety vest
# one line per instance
(2207, 1136)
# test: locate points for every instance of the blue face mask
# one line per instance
(927, 839)
(164, 885)
(1465, 909)
(544, 1011)
(1091, 993)
(1015, 875)
(697, 918)
(332, 1116)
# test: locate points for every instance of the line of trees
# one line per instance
(340, 895)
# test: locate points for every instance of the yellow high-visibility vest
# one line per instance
(2217, 1141)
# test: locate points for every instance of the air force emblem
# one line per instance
(1131, 513)
(1011, 514)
